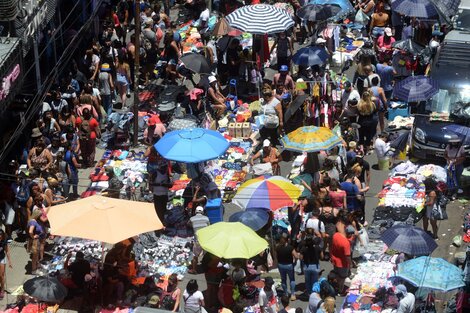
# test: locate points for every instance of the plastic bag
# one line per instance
(298, 267)
(361, 249)
(361, 18)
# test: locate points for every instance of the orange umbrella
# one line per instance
(103, 219)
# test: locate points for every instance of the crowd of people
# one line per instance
(326, 225)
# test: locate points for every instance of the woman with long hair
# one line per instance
(123, 78)
(368, 119)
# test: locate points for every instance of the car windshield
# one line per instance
(462, 20)
(444, 101)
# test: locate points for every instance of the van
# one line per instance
(451, 70)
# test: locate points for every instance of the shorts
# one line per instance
(197, 249)
(3, 261)
(342, 272)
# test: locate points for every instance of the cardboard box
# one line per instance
(239, 130)
(246, 130)
(231, 129)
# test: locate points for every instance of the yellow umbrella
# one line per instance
(103, 219)
(310, 139)
(231, 240)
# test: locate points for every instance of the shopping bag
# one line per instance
(298, 267)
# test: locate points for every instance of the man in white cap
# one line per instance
(268, 154)
(198, 221)
(407, 299)
(321, 43)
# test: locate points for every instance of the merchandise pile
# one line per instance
(162, 255)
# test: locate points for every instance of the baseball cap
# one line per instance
(320, 41)
(199, 209)
(266, 143)
(284, 68)
(388, 31)
(154, 300)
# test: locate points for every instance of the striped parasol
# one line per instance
(260, 19)
(310, 139)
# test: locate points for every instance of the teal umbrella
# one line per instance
(432, 273)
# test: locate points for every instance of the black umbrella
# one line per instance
(294, 106)
(408, 45)
(223, 43)
(399, 143)
(318, 12)
(196, 63)
(46, 289)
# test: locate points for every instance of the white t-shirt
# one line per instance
(354, 94)
(381, 148)
(204, 16)
(270, 305)
(316, 224)
(194, 300)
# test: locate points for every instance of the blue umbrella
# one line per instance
(432, 273)
(310, 56)
(409, 239)
(192, 145)
(461, 131)
(415, 8)
(253, 218)
(415, 89)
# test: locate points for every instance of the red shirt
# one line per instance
(93, 126)
(337, 198)
(340, 251)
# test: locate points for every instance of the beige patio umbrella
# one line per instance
(103, 219)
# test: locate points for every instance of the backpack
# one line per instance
(85, 129)
(167, 302)
(23, 193)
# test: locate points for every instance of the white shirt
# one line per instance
(194, 300)
(268, 304)
(316, 225)
(381, 148)
(205, 15)
(407, 304)
(354, 94)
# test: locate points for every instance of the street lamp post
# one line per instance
(136, 72)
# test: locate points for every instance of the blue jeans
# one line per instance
(311, 276)
(73, 181)
(107, 104)
(284, 270)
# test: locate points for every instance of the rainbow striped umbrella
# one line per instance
(271, 193)
(310, 139)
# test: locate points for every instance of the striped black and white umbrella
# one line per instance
(260, 19)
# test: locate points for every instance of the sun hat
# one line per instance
(388, 31)
(266, 143)
(36, 133)
(352, 145)
(199, 209)
(212, 79)
(401, 289)
(284, 68)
